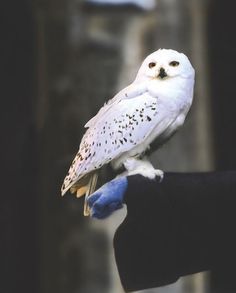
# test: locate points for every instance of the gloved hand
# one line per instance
(108, 198)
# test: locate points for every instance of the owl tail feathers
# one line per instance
(80, 187)
(84, 186)
(91, 186)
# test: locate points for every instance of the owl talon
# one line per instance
(159, 173)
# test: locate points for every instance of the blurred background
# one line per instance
(60, 61)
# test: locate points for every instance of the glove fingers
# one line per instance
(93, 198)
(101, 211)
(115, 206)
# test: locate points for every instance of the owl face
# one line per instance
(165, 64)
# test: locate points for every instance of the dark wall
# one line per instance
(18, 197)
(222, 45)
(221, 42)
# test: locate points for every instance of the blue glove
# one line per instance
(108, 198)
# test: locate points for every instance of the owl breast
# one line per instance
(160, 134)
(158, 141)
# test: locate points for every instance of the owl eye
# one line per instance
(152, 64)
(174, 63)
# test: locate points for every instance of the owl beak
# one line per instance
(162, 73)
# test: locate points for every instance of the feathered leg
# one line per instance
(142, 167)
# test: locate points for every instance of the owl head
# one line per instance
(165, 64)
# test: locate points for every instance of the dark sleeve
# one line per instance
(183, 225)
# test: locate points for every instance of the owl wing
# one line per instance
(129, 92)
(124, 125)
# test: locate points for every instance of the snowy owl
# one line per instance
(147, 111)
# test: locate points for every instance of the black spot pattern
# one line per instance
(120, 132)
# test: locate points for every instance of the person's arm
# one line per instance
(183, 225)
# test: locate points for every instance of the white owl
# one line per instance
(149, 110)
